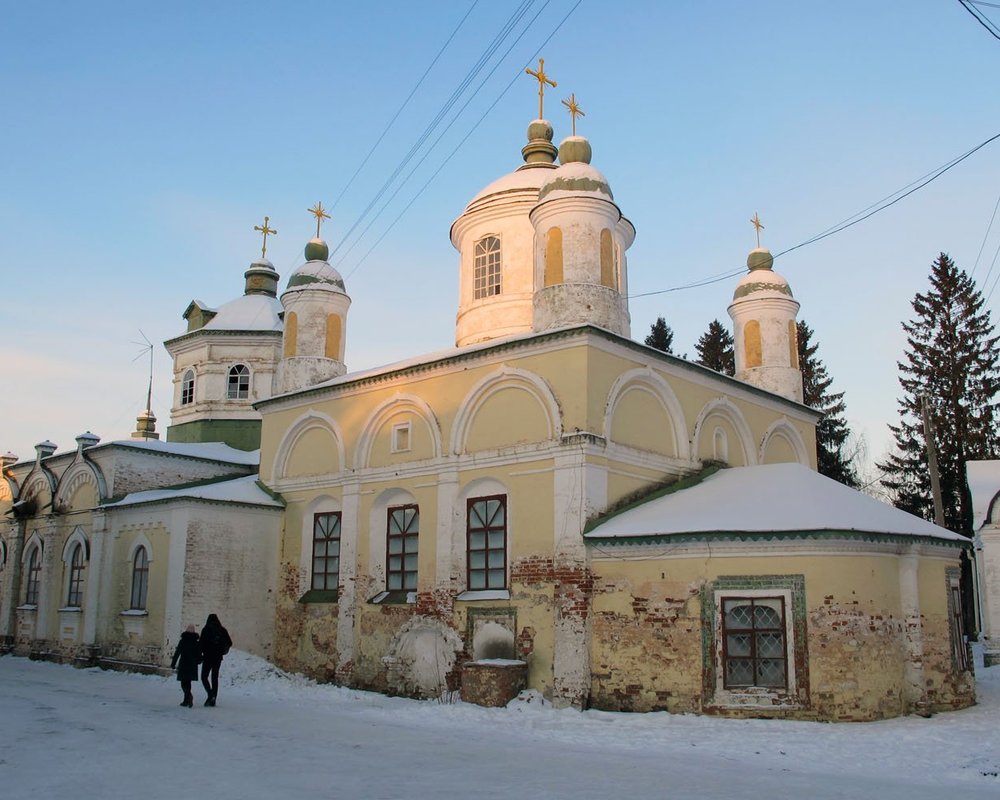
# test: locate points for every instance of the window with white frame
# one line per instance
(401, 541)
(326, 551)
(74, 593)
(754, 645)
(34, 576)
(140, 579)
(486, 268)
(401, 437)
(239, 382)
(486, 538)
(187, 388)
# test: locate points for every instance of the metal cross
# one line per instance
(265, 229)
(758, 226)
(542, 79)
(574, 110)
(320, 215)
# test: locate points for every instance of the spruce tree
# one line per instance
(660, 336)
(832, 432)
(715, 349)
(951, 359)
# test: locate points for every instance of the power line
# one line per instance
(861, 216)
(987, 236)
(980, 18)
(478, 122)
(505, 31)
(403, 105)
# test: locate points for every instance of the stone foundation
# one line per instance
(493, 683)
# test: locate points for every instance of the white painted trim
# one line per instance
(660, 389)
(782, 428)
(75, 476)
(308, 421)
(505, 378)
(725, 408)
(76, 537)
(324, 504)
(398, 403)
(139, 541)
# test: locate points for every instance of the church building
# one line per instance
(548, 504)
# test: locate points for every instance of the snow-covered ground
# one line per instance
(66, 732)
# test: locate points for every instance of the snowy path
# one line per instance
(88, 733)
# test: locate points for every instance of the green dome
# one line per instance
(317, 250)
(760, 259)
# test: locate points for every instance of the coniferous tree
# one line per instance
(832, 432)
(660, 336)
(715, 349)
(951, 359)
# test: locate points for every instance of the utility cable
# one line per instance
(987, 236)
(399, 111)
(511, 23)
(851, 221)
(981, 19)
(478, 122)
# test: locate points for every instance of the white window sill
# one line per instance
(28, 607)
(484, 594)
(134, 612)
(70, 610)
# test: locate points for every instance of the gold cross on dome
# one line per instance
(542, 79)
(757, 224)
(318, 212)
(265, 229)
(574, 110)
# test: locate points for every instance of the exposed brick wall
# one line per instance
(492, 685)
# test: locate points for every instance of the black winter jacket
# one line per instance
(215, 641)
(186, 657)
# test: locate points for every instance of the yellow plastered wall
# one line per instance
(779, 451)
(333, 335)
(314, 453)
(554, 257)
(752, 344)
(507, 417)
(291, 334)
(607, 259)
(641, 421)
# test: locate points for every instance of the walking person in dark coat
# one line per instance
(186, 658)
(215, 643)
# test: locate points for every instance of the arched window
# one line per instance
(486, 268)
(239, 382)
(553, 257)
(607, 259)
(74, 597)
(140, 580)
(187, 388)
(752, 345)
(34, 577)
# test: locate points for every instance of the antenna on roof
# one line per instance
(146, 421)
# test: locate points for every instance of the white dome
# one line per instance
(250, 312)
(316, 275)
(528, 178)
(575, 179)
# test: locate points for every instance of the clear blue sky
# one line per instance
(141, 143)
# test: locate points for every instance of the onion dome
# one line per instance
(316, 273)
(539, 154)
(575, 176)
(761, 280)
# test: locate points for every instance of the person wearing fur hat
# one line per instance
(186, 658)
(215, 643)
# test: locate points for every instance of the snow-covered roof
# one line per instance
(529, 177)
(249, 312)
(237, 490)
(769, 498)
(213, 451)
(984, 484)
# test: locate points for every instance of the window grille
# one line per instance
(487, 542)
(402, 534)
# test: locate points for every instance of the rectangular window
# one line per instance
(487, 542)
(753, 641)
(486, 268)
(401, 437)
(326, 551)
(402, 533)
